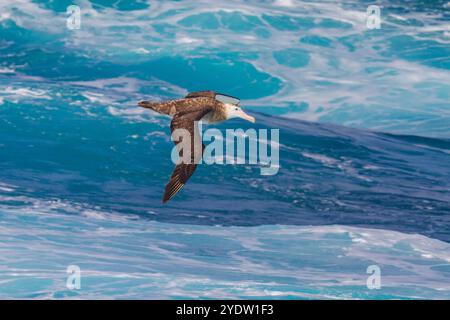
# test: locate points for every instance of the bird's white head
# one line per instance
(234, 111)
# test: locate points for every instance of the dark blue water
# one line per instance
(329, 174)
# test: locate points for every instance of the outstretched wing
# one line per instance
(172, 107)
(206, 93)
(183, 171)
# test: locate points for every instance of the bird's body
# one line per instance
(196, 106)
(186, 105)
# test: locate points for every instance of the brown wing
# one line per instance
(173, 107)
(196, 94)
(183, 171)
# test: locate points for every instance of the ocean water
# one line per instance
(364, 178)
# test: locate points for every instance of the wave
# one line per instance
(83, 145)
(83, 168)
(308, 60)
(128, 258)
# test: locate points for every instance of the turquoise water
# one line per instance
(364, 150)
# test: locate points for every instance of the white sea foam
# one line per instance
(141, 51)
(342, 164)
(6, 70)
(154, 259)
(14, 93)
(335, 80)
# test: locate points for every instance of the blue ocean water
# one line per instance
(364, 173)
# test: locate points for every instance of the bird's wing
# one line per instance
(173, 107)
(196, 94)
(183, 171)
(167, 107)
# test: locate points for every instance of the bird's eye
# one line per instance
(236, 109)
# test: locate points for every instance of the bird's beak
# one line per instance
(247, 117)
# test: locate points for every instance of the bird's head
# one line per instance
(234, 111)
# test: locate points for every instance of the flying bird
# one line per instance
(206, 106)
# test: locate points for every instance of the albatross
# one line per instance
(206, 106)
